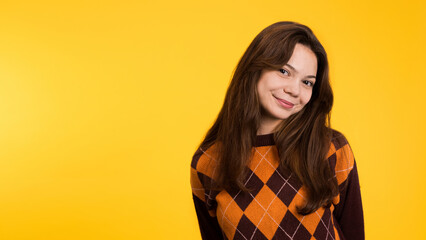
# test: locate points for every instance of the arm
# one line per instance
(348, 212)
(200, 176)
(209, 227)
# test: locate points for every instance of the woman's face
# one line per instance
(284, 92)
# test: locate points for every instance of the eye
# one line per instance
(308, 83)
(283, 71)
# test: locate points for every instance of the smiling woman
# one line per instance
(271, 167)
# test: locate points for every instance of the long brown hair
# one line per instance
(302, 140)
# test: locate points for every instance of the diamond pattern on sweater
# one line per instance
(247, 229)
(269, 209)
(243, 199)
(325, 228)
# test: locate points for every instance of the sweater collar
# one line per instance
(265, 140)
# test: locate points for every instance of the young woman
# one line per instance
(271, 167)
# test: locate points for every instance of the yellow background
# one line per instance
(102, 104)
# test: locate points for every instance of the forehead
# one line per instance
(303, 60)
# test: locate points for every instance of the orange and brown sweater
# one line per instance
(268, 211)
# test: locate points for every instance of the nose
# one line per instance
(292, 87)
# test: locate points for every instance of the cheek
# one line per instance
(304, 99)
(263, 92)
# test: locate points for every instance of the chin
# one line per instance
(283, 117)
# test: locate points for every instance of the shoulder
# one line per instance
(340, 156)
(203, 170)
(205, 160)
(338, 139)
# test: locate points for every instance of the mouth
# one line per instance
(284, 103)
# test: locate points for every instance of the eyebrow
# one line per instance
(294, 69)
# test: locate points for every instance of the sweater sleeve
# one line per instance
(348, 212)
(203, 199)
(209, 227)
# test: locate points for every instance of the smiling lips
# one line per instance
(285, 103)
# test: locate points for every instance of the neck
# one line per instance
(268, 125)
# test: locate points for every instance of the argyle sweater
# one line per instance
(268, 211)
